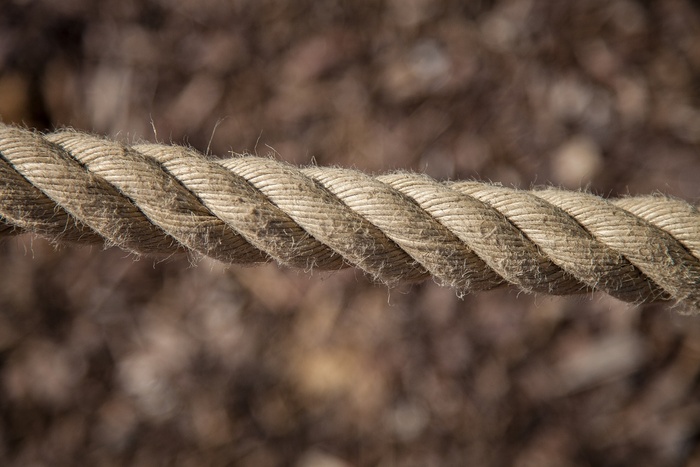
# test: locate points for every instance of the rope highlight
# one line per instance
(155, 199)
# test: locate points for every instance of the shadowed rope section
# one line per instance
(158, 200)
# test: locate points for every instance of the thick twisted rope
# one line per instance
(158, 199)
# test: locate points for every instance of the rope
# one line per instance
(159, 200)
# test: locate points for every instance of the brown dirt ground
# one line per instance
(109, 361)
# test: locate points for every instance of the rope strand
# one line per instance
(155, 199)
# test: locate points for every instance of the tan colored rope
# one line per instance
(158, 199)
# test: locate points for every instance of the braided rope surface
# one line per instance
(158, 200)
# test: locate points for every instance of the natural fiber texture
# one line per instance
(158, 199)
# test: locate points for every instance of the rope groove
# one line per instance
(159, 200)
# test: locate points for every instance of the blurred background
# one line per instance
(105, 360)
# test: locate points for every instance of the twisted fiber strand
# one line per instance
(157, 199)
